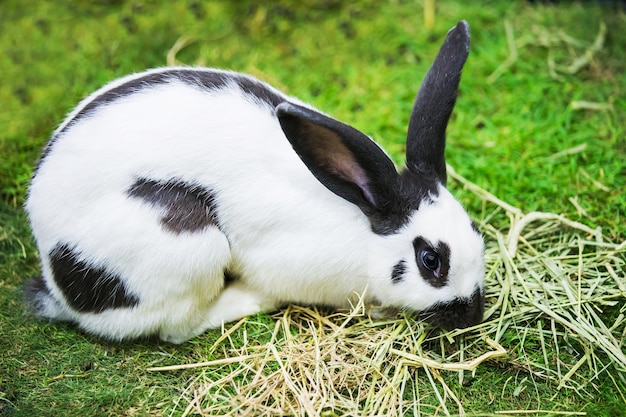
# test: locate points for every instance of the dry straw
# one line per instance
(555, 311)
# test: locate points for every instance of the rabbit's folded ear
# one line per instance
(345, 160)
(426, 138)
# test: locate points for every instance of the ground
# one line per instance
(540, 123)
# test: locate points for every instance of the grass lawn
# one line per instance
(540, 123)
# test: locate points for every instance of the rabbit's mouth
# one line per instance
(458, 313)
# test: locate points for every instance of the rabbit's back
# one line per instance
(159, 187)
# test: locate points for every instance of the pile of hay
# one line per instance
(556, 310)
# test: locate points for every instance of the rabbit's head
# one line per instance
(428, 255)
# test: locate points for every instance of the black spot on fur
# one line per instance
(397, 274)
(187, 207)
(88, 289)
(443, 252)
(204, 79)
(213, 80)
(459, 313)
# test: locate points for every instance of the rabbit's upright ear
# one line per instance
(345, 160)
(426, 138)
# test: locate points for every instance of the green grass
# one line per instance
(517, 135)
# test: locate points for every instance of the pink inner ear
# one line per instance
(342, 162)
(347, 168)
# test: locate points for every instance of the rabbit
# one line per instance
(178, 199)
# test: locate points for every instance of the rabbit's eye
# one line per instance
(431, 261)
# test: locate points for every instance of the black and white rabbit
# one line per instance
(177, 199)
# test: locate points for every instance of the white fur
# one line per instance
(289, 238)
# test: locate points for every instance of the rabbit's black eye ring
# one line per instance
(431, 261)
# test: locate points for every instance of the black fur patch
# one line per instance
(188, 208)
(403, 199)
(213, 80)
(397, 274)
(204, 79)
(443, 252)
(88, 289)
(459, 313)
